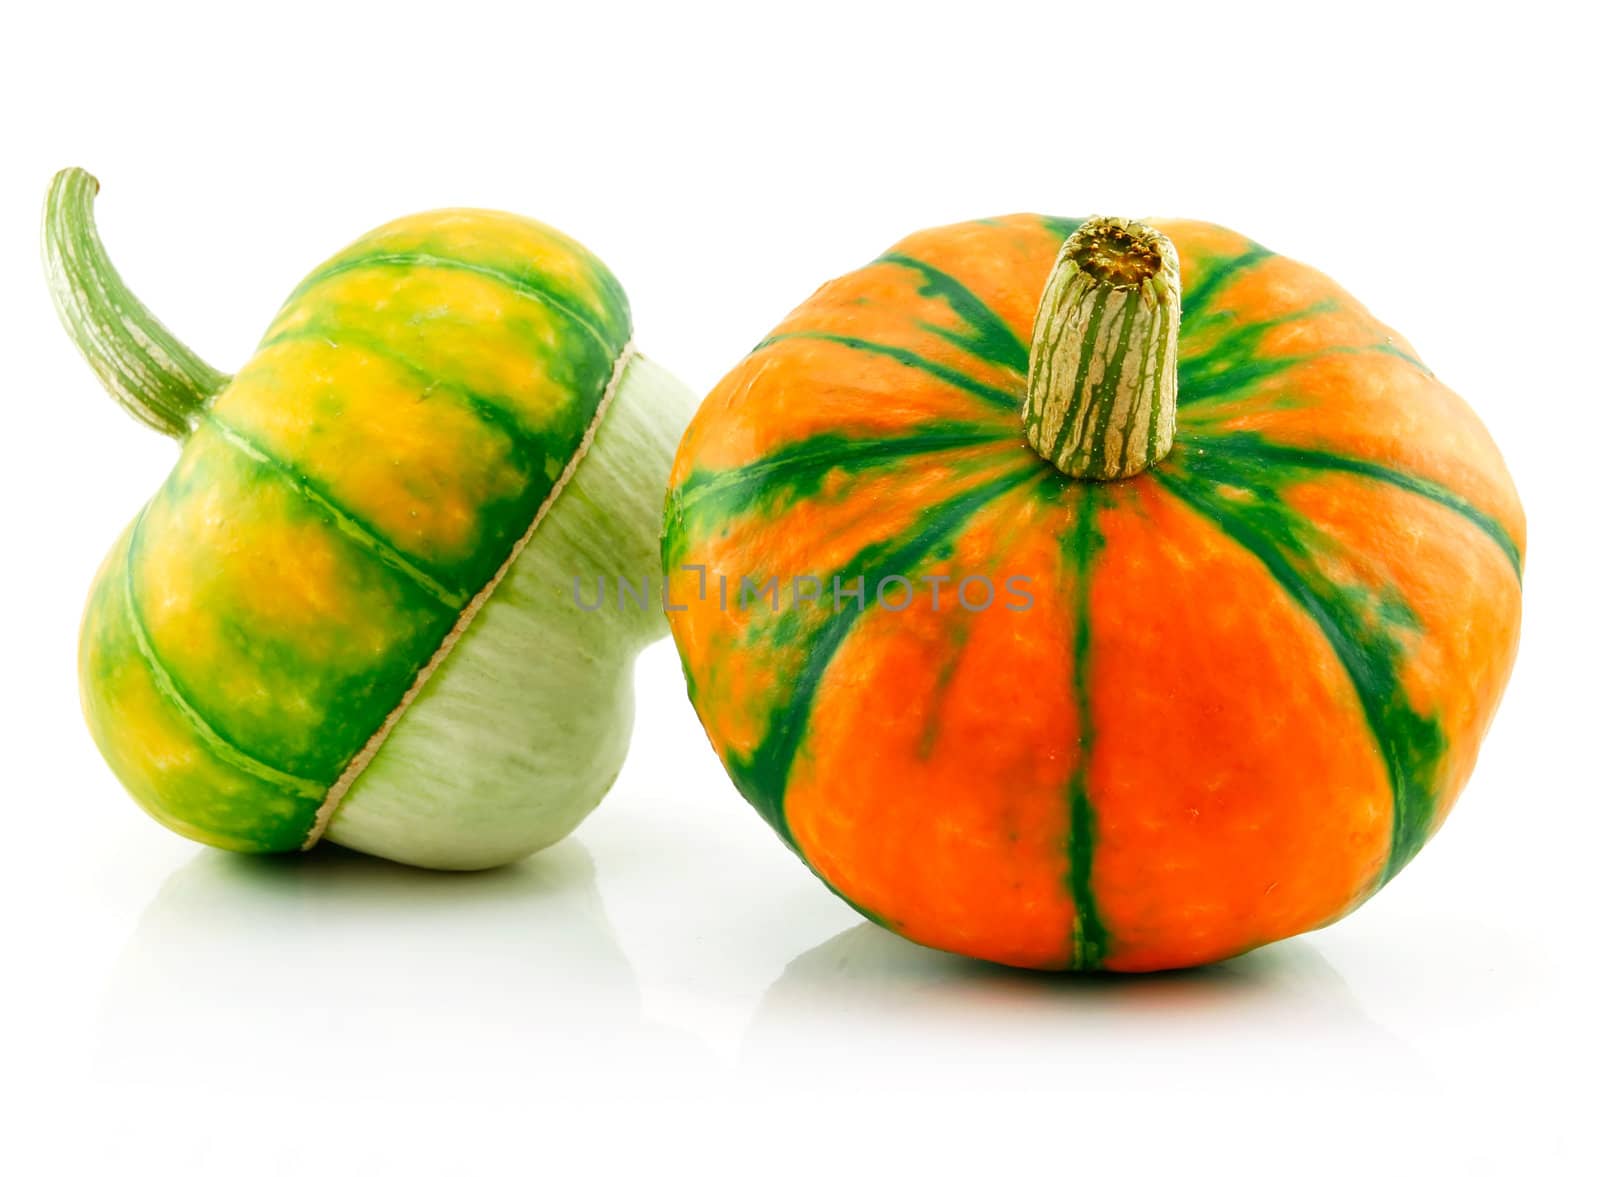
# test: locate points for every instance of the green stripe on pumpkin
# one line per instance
(1361, 633)
(988, 337)
(1221, 358)
(763, 777)
(987, 393)
(1241, 458)
(1216, 274)
(1062, 227)
(1218, 355)
(798, 471)
(1090, 940)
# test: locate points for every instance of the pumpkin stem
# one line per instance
(1102, 372)
(141, 363)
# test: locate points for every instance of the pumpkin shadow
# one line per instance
(362, 971)
(911, 1010)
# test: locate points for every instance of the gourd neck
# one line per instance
(1102, 373)
(142, 364)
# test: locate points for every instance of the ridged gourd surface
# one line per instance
(1250, 684)
(341, 502)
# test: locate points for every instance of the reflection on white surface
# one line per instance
(876, 1001)
(245, 969)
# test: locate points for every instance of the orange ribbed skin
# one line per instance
(1245, 686)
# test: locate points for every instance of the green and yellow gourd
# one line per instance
(349, 612)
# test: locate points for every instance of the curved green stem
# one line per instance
(1102, 373)
(141, 363)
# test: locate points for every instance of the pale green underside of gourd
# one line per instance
(522, 728)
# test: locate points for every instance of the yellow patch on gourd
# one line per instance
(230, 548)
(466, 333)
(415, 465)
(490, 239)
(151, 744)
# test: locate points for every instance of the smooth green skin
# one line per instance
(336, 508)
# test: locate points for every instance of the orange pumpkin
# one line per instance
(1050, 627)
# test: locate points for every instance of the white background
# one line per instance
(670, 982)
